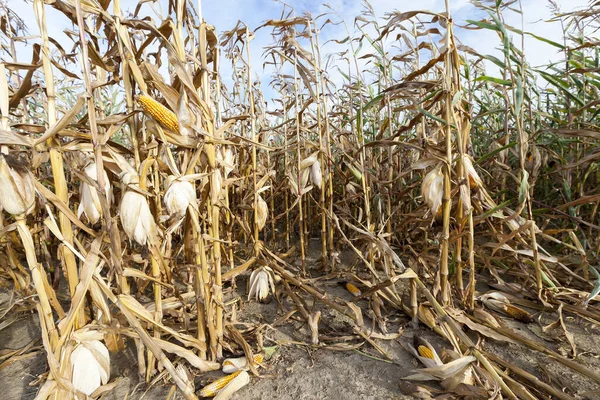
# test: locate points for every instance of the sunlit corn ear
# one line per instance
(474, 180)
(261, 280)
(498, 302)
(231, 365)
(432, 189)
(262, 212)
(17, 186)
(179, 195)
(136, 218)
(90, 364)
(161, 114)
(236, 384)
(213, 388)
(89, 201)
(426, 316)
(424, 352)
(316, 175)
(351, 288)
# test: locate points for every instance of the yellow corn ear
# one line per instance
(213, 388)
(353, 289)
(518, 313)
(165, 117)
(425, 351)
(258, 358)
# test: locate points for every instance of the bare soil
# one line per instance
(299, 371)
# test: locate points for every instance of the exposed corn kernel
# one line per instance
(425, 351)
(213, 388)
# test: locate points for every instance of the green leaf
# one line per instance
(499, 81)
(495, 60)
(430, 115)
(494, 152)
(519, 95)
(483, 25)
(373, 101)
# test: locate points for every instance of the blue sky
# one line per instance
(224, 14)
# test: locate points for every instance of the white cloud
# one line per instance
(224, 14)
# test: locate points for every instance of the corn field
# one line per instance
(139, 190)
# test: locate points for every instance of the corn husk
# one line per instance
(262, 211)
(424, 352)
(498, 302)
(227, 159)
(432, 189)
(316, 176)
(179, 195)
(309, 161)
(213, 388)
(90, 363)
(90, 203)
(236, 384)
(261, 280)
(17, 186)
(474, 180)
(231, 365)
(136, 218)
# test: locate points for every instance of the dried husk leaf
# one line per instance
(262, 212)
(316, 176)
(432, 190)
(137, 219)
(90, 203)
(179, 195)
(90, 363)
(17, 186)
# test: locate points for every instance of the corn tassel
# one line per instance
(213, 388)
(165, 117)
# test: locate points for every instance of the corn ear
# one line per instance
(353, 289)
(165, 117)
(231, 365)
(425, 351)
(213, 388)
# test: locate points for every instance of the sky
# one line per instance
(224, 14)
